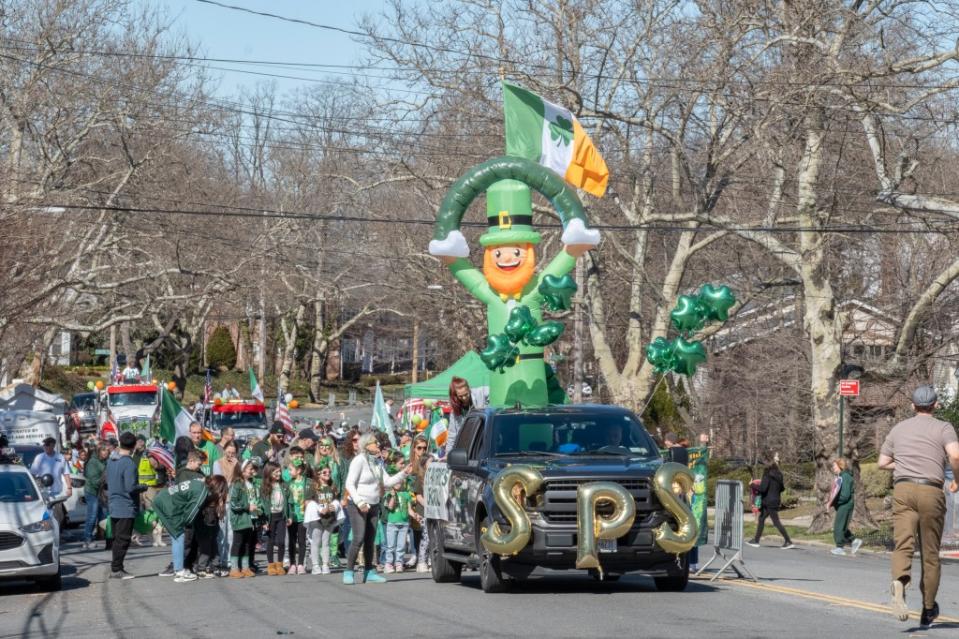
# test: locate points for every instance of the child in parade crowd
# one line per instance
(419, 459)
(322, 517)
(399, 509)
(299, 491)
(274, 496)
(244, 507)
(206, 526)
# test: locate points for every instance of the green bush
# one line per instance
(220, 352)
(741, 474)
(875, 481)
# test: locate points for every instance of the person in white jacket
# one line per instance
(365, 483)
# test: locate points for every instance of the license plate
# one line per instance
(607, 545)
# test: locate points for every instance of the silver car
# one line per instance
(29, 533)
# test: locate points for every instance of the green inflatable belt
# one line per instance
(479, 178)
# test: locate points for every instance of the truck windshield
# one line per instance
(239, 420)
(572, 434)
(133, 399)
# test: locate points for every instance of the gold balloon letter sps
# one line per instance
(684, 538)
(518, 479)
(592, 526)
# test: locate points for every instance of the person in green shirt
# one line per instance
(299, 492)
(842, 500)
(94, 474)
(244, 507)
(398, 508)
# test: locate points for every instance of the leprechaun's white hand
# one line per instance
(576, 233)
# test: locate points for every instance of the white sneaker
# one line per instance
(411, 562)
(838, 552)
(325, 569)
(86, 545)
(422, 567)
(856, 545)
(184, 576)
(754, 544)
(789, 546)
(388, 569)
(316, 570)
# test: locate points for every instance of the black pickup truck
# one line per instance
(568, 446)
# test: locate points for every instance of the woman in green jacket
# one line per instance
(841, 498)
(275, 497)
(244, 508)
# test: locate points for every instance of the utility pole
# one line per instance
(578, 335)
(113, 346)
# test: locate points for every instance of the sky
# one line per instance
(226, 33)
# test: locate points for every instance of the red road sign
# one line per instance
(849, 387)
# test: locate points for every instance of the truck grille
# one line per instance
(9, 540)
(559, 504)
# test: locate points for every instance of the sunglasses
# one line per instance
(420, 448)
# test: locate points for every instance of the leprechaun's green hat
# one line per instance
(509, 211)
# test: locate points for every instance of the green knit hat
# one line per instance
(509, 211)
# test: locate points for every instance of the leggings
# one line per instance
(276, 538)
(320, 534)
(204, 536)
(243, 544)
(363, 526)
(773, 514)
(296, 535)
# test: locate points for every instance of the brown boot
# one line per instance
(277, 568)
(236, 574)
(248, 573)
(270, 569)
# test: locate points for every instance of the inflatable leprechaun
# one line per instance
(508, 284)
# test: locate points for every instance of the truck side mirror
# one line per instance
(457, 459)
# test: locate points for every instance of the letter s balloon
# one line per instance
(592, 526)
(494, 539)
(684, 538)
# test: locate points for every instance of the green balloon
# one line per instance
(499, 353)
(558, 292)
(659, 353)
(545, 334)
(519, 324)
(688, 355)
(717, 301)
(689, 315)
(91, 385)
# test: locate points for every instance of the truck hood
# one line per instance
(577, 466)
(133, 412)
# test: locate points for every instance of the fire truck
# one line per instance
(247, 417)
(133, 407)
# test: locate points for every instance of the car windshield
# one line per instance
(572, 434)
(17, 488)
(85, 402)
(239, 420)
(133, 399)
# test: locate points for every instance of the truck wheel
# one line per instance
(444, 571)
(491, 578)
(674, 583)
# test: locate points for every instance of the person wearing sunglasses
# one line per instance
(366, 481)
(419, 458)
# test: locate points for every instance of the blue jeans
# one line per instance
(224, 539)
(394, 542)
(178, 546)
(95, 514)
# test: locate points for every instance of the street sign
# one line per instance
(849, 387)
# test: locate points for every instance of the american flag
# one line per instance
(283, 414)
(162, 456)
(208, 389)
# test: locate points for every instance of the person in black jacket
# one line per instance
(770, 490)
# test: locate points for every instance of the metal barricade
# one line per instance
(950, 529)
(728, 530)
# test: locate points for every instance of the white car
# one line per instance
(29, 533)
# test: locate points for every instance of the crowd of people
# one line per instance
(318, 500)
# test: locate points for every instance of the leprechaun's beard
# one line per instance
(509, 268)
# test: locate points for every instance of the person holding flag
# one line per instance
(381, 416)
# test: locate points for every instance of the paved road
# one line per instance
(802, 593)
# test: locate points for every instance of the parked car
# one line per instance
(29, 533)
(73, 509)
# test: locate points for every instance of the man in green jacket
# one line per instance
(842, 500)
(94, 472)
(176, 507)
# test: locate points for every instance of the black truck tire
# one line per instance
(443, 570)
(491, 578)
(674, 583)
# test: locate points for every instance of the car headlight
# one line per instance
(43, 525)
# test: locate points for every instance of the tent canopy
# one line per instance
(470, 367)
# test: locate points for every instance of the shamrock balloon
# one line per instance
(545, 334)
(660, 354)
(557, 292)
(520, 323)
(499, 353)
(717, 301)
(689, 315)
(688, 355)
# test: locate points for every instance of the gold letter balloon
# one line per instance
(592, 526)
(494, 539)
(684, 538)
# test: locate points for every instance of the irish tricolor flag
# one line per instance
(174, 419)
(549, 134)
(255, 391)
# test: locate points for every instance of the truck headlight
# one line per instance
(43, 525)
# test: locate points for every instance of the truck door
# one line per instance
(458, 532)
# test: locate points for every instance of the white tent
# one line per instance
(22, 396)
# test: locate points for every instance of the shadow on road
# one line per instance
(552, 585)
